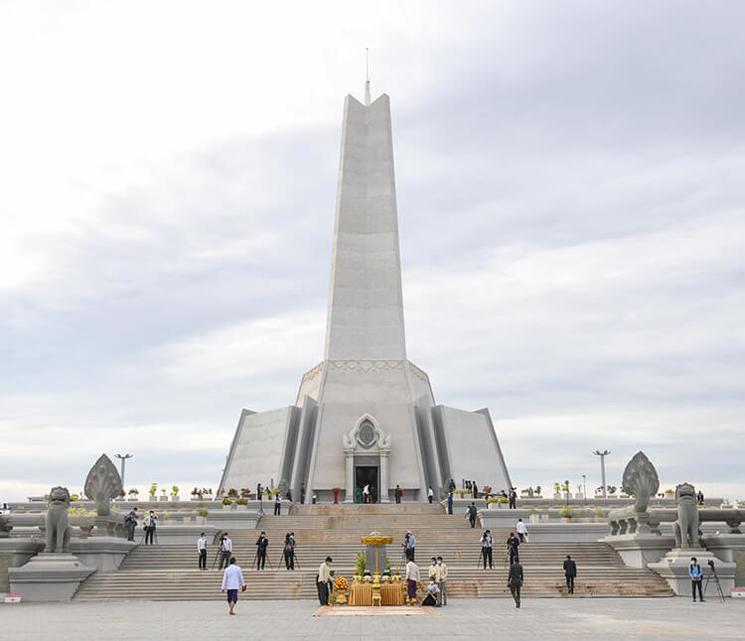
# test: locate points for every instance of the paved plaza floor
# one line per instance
(483, 619)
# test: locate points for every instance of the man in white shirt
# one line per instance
(366, 493)
(430, 494)
(486, 548)
(232, 581)
(442, 580)
(412, 578)
(202, 551)
(226, 550)
(323, 581)
(522, 530)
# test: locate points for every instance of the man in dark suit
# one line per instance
(261, 545)
(512, 544)
(570, 572)
(515, 581)
(472, 514)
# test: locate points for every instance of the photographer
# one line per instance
(131, 522)
(226, 550)
(409, 545)
(487, 544)
(150, 524)
(261, 545)
(289, 551)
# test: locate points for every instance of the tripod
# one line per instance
(266, 558)
(295, 562)
(155, 536)
(715, 576)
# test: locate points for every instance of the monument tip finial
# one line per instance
(367, 76)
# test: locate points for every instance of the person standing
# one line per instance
(475, 490)
(410, 546)
(202, 551)
(515, 581)
(472, 513)
(289, 551)
(522, 530)
(486, 548)
(226, 550)
(323, 581)
(443, 584)
(412, 578)
(131, 522)
(150, 524)
(232, 581)
(277, 505)
(450, 502)
(432, 570)
(430, 494)
(398, 493)
(697, 577)
(513, 498)
(512, 544)
(366, 493)
(262, 543)
(570, 573)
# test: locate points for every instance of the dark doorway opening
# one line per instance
(367, 475)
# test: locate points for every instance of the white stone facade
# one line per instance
(365, 414)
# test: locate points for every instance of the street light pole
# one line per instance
(602, 456)
(123, 459)
(584, 485)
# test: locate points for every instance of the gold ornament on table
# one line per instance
(342, 585)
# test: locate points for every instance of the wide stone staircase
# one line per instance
(169, 572)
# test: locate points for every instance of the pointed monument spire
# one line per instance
(365, 316)
(367, 77)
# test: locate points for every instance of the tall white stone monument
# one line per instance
(365, 414)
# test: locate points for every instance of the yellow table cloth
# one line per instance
(360, 594)
(390, 594)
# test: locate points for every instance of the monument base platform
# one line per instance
(674, 569)
(49, 577)
(639, 550)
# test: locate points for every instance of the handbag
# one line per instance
(243, 588)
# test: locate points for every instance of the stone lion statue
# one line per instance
(686, 527)
(58, 527)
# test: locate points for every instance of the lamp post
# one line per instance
(602, 456)
(584, 486)
(123, 458)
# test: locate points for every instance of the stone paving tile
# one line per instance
(482, 619)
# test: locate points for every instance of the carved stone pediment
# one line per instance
(366, 436)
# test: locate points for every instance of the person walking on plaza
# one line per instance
(450, 501)
(409, 545)
(323, 581)
(522, 530)
(430, 494)
(226, 550)
(232, 581)
(131, 522)
(512, 544)
(443, 580)
(570, 573)
(262, 543)
(412, 578)
(513, 498)
(486, 548)
(515, 581)
(277, 505)
(202, 551)
(289, 551)
(398, 493)
(697, 577)
(150, 523)
(472, 512)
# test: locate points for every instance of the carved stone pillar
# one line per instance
(349, 497)
(384, 498)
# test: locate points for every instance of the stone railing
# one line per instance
(627, 521)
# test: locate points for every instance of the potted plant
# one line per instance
(612, 489)
(233, 493)
(227, 503)
(202, 513)
(557, 491)
(153, 491)
(174, 493)
(163, 495)
(359, 565)
(133, 494)
(669, 493)
(538, 491)
(242, 503)
(566, 513)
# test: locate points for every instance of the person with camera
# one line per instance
(487, 544)
(289, 550)
(202, 551)
(262, 543)
(232, 581)
(131, 522)
(226, 550)
(277, 505)
(409, 545)
(696, 573)
(150, 524)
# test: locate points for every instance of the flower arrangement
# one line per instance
(227, 501)
(233, 493)
(341, 583)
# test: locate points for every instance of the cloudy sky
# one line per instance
(572, 218)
